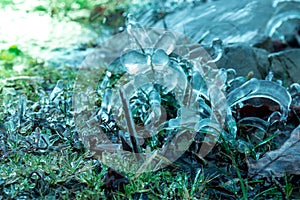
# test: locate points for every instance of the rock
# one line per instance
(265, 43)
(286, 66)
(244, 59)
(271, 45)
(231, 20)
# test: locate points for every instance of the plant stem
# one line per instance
(129, 122)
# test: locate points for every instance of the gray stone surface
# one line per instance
(286, 65)
(231, 20)
(244, 59)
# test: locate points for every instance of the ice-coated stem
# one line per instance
(22, 107)
(155, 101)
(129, 122)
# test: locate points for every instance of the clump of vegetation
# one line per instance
(42, 154)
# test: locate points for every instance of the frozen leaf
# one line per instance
(135, 62)
(106, 80)
(273, 26)
(26, 127)
(105, 104)
(295, 93)
(199, 85)
(217, 47)
(57, 90)
(155, 103)
(295, 88)
(285, 160)
(159, 59)
(254, 122)
(22, 107)
(235, 83)
(214, 131)
(231, 73)
(270, 76)
(243, 147)
(274, 117)
(137, 34)
(231, 125)
(261, 89)
(166, 42)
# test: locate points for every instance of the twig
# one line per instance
(129, 122)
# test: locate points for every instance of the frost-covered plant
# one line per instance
(162, 96)
(167, 94)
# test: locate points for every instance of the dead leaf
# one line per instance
(114, 180)
(285, 160)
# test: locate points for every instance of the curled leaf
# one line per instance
(261, 89)
(254, 122)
